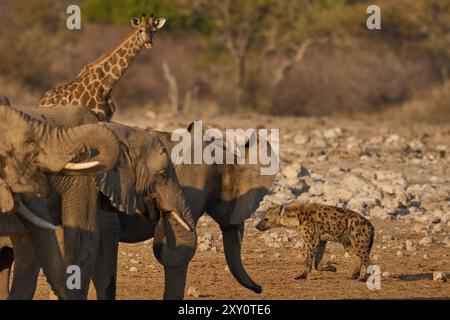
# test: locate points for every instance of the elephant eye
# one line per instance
(162, 177)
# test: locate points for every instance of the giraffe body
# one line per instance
(93, 86)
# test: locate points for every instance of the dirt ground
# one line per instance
(406, 274)
(411, 276)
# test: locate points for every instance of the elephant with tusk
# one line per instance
(32, 152)
(143, 170)
(229, 193)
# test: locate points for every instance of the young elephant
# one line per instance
(317, 224)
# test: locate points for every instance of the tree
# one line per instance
(237, 24)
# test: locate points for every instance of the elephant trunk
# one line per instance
(175, 280)
(232, 241)
(92, 143)
(101, 142)
(175, 238)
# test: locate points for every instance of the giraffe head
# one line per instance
(146, 28)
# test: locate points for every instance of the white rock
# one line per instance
(192, 292)
(424, 219)
(439, 276)
(355, 182)
(316, 189)
(207, 236)
(376, 257)
(298, 244)
(291, 171)
(437, 228)
(399, 254)
(347, 255)
(438, 214)
(379, 213)
(276, 255)
(336, 192)
(427, 241)
(410, 245)
(301, 139)
(445, 218)
(317, 177)
(333, 133)
(447, 242)
(386, 274)
(133, 269)
(203, 247)
(394, 140)
(387, 188)
(362, 204)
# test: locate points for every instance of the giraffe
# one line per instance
(93, 85)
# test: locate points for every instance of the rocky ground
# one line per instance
(396, 175)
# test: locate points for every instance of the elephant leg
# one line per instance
(26, 269)
(175, 280)
(105, 272)
(6, 261)
(104, 278)
(48, 252)
(79, 218)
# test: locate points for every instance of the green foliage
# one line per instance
(121, 11)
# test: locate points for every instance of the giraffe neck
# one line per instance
(109, 68)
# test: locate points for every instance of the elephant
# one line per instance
(143, 170)
(229, 193)
(32, 152)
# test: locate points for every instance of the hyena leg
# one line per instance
(318, 258)
(311, 243)
(360, 250)
(364, 256)
(358, 264)
(365, 264)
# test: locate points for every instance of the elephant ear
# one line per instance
(118, 184)
(245, 185)
(6, 198)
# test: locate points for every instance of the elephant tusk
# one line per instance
(180, 221)
(81, 166)
(28, 215)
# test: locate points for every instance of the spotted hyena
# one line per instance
(317, 224)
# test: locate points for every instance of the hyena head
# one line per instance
(271, 218)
